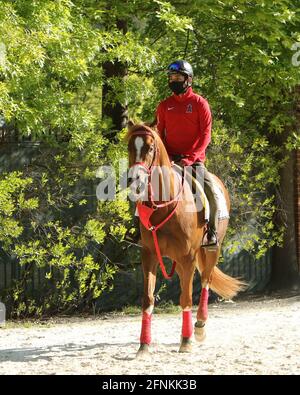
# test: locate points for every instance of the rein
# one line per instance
(146, 212)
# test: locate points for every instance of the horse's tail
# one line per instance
(225, 286)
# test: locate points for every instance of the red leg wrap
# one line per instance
(146, 329)
(202, 309)
(187, 324)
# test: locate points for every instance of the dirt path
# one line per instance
(257, 337)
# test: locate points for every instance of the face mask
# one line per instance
(178, 87)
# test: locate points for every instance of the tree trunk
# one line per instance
(297, 205)
(111, 107)
(285, 269)
(286, 259)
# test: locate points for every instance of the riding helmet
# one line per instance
(181, 66)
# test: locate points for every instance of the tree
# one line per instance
(47, 84)
(242, 54)
(114, 70)
(73, 68)
(286, 264)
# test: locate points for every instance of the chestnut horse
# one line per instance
(178, 237)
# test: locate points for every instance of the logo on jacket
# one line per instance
(189, 108)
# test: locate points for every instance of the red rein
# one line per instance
(145, 212)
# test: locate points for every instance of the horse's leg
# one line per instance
(186, 275)
(208, 261)
(149, 262)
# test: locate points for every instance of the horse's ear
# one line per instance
(151, 124)
(130, 124)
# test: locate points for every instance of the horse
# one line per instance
(170, 228)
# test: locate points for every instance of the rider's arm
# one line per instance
(205, 123)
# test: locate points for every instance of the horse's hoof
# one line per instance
(186, 345)
(199, 332)
(143, 351)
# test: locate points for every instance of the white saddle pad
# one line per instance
(221, 201)
(222, 207)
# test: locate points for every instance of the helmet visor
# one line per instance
(174, 67)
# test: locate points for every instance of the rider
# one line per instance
(184, 122)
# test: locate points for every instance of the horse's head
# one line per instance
(143, 150)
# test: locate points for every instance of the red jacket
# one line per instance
(184, 124)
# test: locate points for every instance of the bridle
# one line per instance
(150, 168)
(156, 150)
(145, 211)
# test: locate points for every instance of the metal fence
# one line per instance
(11, 271)
(255, 272)
(244, 265)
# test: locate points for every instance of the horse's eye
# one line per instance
(151, 149)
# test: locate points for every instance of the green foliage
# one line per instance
(51, 79)
(68, 250)
(49, 218)
(242, 58)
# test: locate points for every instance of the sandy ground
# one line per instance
(245, 337)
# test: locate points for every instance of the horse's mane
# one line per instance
(145, 128)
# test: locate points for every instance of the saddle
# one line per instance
(200, 197)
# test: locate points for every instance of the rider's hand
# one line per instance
(185, 162)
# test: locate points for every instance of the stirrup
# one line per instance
(210, 246)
